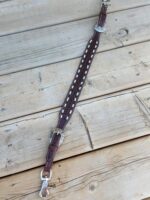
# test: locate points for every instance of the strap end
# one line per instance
(106, 3)
(44, 187)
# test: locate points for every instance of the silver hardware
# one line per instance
(57, 131)
(46, 178)
(100, 29)
(106, 2)
(44, 188)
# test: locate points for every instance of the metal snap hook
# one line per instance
(44, 188)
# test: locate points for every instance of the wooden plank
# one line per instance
(16, 16)
(116, 119)
(57, 43)
(24, 142)
(118, 172)
(43, 88)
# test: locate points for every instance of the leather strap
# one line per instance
(81, 74)
(52, 149)
(72, 98)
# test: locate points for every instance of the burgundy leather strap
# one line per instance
(72, 98)
(81, 74)
(52, 149)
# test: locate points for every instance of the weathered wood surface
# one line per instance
(97, 123)
(66, 41)
(114, 106)
(24, 142)
(119, 172)
(16, 15)
(43, 88)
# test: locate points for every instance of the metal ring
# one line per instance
(45, 178)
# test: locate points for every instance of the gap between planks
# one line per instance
(27, 10)
(70, 45)
(127, 165)
(80, 154)
(84, 101)
(123, 121)
(71, 21)
(39, 86)
(70, 59)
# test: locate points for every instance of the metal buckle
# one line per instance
(100, 29)
(106, 2)
(44, 188)
(57, 131)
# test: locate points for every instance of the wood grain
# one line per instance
(66, 41)
(24, 142)
(17, 16)
(96, 123)
(118, 118)
(118, 172)
(41, 42)
(43, 88)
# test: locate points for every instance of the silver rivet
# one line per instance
(73, 105)
(79, 71)
(72, 86)
(96, 42)
(75, 81)
(81, 83)
(80, 66)
(65, 105)
(92, 56)
(86, 51)
(83, 77)
(88, 46)
(67, 118)
(88, 66)
(70, 112)
(85, 72)
(80, 88)
(93, 51)
(70, 92)
(91, 41)
(75, 99)
(96, 46)
(82, 61)
(68, 99)
(61, 116)
(77, 94)
(62, 111)
(84, 56)
(89, 61)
